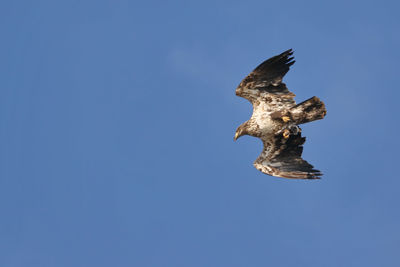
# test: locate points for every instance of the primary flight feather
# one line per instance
(276, 117)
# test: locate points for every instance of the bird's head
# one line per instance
(241, 130)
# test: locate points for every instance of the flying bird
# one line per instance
(276, 118)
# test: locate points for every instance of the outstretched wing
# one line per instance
(265, 81)
(282, 158)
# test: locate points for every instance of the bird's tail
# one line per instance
(309, 110)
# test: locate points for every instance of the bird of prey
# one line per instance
(276, 117)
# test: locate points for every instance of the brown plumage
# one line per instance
(276, 117)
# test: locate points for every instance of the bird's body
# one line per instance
(276, 117)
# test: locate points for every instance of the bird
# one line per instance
(276, 118)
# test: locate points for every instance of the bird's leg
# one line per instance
(281, 115)
(285, 118)
(294, 129)
(286, 133)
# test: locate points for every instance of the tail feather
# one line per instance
(310, 110)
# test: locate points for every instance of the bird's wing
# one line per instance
(265, 82)
(282, 158)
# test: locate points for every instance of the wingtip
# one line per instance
(315, 176)
(289, 51)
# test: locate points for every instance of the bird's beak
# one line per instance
(236, 136)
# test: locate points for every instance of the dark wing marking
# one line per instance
(266, 79)
(282, 158)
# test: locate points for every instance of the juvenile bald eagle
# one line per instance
(276, 118)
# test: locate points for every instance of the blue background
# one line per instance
(116, 134)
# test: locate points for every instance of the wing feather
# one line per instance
(282, 158)
(265, 81)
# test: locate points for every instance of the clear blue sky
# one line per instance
(116, 134)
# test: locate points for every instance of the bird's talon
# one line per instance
(285, 118)
(286, 133)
